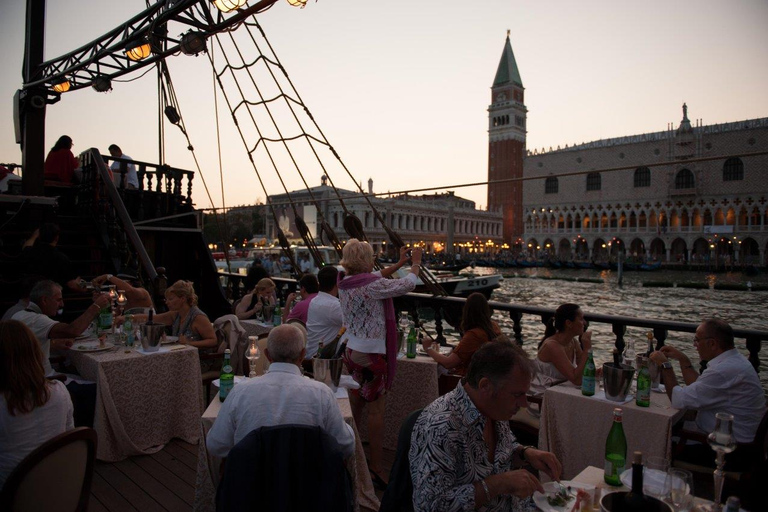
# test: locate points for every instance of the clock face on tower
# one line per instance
(501, 97)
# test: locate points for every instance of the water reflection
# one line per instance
(546, 288)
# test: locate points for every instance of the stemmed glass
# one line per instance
(721, 440)
(252, 354)
(681, 489)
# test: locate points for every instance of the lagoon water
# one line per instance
(742, 309)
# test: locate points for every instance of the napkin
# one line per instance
(346, 381)
(160, 350)
(600, 395)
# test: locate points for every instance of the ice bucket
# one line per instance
(328, 371)
(612, 502)
(617, 381)
(151, 335)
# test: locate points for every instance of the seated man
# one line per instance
(281, 397)
(458, 434)
(729, 384)
(308, 288)
(45, 301)
(324, 312)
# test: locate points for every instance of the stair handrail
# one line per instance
(122, 214)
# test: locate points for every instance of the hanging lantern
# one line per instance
(298, 3)
(102, 84)
(192, 43)
(228, 5)
(62, 86)
(139, 52)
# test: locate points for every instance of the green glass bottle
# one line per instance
(615, 450)
(643, 395)
(130, 336)
(227, 377)
(277, 316)
(588, 377)
(105, 318)
(411, 350)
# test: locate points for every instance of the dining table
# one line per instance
(208, 466)
(143, 399)
(256, 328)
(574, 427)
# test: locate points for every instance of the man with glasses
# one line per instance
(729, 384)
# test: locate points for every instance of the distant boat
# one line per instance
(584, 264)
(650, 266)
(450, 267)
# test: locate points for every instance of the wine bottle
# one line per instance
(615, 450)
(411, 351)
(329, 349)
(643, 395)
(588, 377)
(616, 358)
(151, 316)
(227, 377)
(650, 343)
(635, 500)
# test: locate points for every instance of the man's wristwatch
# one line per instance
(666, 365)
(109, 276)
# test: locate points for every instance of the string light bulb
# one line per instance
(228, 5)
(139, 52)
(298, 3)
(62, 86)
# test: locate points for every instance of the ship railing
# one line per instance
(449, 309)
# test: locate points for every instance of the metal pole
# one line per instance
(32, 107)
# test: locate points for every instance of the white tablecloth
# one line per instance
(574, 427)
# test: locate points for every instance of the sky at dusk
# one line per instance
(401, 87)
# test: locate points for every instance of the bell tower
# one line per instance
(506, 143)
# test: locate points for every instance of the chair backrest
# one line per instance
(285, 468)
(761, 438)
(232, 335)
(55, 477)
(399, 494)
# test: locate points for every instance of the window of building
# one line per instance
(733, 169)
(593, 181)
(551, 185)
(684, 179)
(642, 177)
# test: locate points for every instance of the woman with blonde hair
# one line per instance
(263, 294)
(32, 408)
(186, 320)
(369, 316)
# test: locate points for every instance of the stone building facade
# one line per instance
(417, 219)
(693, 193)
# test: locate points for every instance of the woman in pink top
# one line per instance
(369, 316)
(32, 408)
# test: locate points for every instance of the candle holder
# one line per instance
(252, 354)
(721, 440)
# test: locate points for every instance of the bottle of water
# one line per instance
(588, 379)
(227, 376)
(615, 451)
(130, 337)
(630, 354)
(403, 327)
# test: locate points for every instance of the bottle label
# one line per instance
(225, 386)
(588, 386)
(614, 467)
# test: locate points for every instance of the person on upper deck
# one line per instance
(282, 396)
(60, 164)
(137, 296)
(187, 321)
(478, 328)
(131, 177)
(33, 409)
(729, 384)
(463, 455)
(563, 350)
(250, 305)
(369, 316)
(308, 288)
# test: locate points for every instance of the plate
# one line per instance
(92, 346)
(169, 339)
(552, 487)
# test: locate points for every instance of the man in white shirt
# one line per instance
(280, 397)
(324, 317)
(729, 384)
(131, 178)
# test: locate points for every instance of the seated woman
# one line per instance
(32, 408)
(251, 305)
(563, 350)
(186, 320)
(478, 328)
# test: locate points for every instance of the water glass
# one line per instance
(655, 478)
(681, 489)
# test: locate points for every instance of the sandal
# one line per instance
(378, 483)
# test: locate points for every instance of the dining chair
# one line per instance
(399, 494)
(55, 477)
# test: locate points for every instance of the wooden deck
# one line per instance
(164, 481)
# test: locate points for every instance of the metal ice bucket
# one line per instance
(614, 500)
(617, 381)
(151, 335)
(328, 371)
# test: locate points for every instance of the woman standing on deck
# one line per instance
(478, 328)
(60, 164)
(369, 316)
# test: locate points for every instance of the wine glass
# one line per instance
(721, 440)
(681, 489)
(655, 477)
(252, 354)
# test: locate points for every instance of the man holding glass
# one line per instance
(729, 384)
